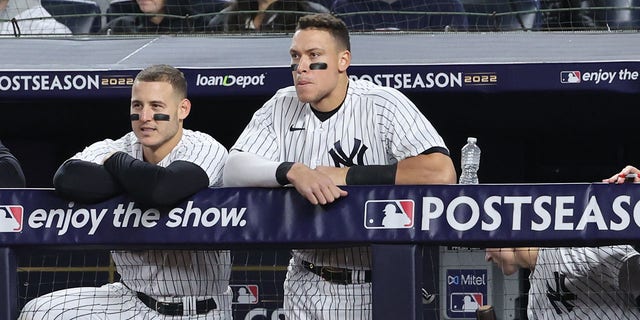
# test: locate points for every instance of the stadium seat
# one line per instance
(624, 18)
(208, 6)
(362, 15)
(197, 6)
(118, 7)
(325, 3)
(89, 20)
(503, 15)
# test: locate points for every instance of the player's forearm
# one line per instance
(245, 169)
(154, 185)
(85, 182)
(433, 168)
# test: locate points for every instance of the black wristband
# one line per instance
(281, 173)
(375, 174)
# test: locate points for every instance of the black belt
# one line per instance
(337, 275)
(176, 308)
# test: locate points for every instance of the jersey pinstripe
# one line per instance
(580, 283)
(196, 147)
(375, 125)
(166, 275)
(159, 272)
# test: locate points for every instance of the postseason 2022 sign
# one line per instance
(208, 82)
(544, 214)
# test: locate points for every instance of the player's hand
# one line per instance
(314, 185)
(621, 176)
(338, 175)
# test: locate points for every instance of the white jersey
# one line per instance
(172, 272)
(580, 283)
(374, 126)
(33, 21)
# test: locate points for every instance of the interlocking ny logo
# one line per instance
(341, 158)
(560, 294)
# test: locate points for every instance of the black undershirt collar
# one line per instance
(322, 116)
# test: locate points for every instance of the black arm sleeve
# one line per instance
(85, 181)
(436, 149)
(11, 175)
(154, 185)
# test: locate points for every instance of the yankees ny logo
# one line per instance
(560, 294)
(340, 157)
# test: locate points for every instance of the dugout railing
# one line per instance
(479, 215)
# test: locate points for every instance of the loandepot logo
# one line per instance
(128, 216)
(230, 80)
(11, 218)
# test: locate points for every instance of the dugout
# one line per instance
(513, 91)
(506, 89)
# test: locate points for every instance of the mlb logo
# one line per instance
(11, 218)
(570, 77)
(244, 293)
(389, 214)
(466, 301)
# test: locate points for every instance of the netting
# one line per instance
(185, 17)
(519, 283)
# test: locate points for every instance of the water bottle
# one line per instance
(470, 157)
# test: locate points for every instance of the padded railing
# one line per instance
(478, 215)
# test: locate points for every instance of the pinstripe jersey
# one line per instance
(172, 272)
(375, 125)
(580, 283)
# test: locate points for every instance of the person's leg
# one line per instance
(98, 303)
(223, 311)
(346, 302)
(309, 297)
(300, 293)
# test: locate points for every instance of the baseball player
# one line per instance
(158, 164)
(576, 282)
(327, 131)
(11, 175)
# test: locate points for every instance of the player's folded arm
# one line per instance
(433, 166)
(11, 175)
(246, 169)
(85, 182)
(154, 185)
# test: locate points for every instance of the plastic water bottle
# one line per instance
(470, 157)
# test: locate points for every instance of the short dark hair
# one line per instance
(165, 73)
(326, 21)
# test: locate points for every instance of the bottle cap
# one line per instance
(472, 139)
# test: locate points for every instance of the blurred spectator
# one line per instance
(28, 17)
(264, 15)
(157, 16)
(374, 15)
(567, 15)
